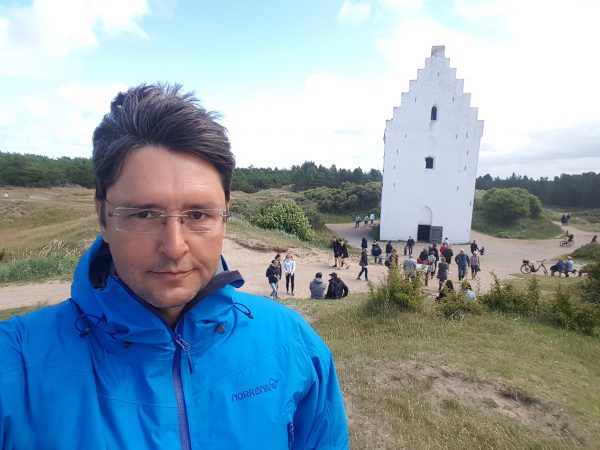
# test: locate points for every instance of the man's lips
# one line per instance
(171, 274)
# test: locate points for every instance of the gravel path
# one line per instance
(503, 256)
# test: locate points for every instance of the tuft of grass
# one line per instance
(395, 292)
(589, 252)
(53, 261)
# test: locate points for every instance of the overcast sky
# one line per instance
(298, 80)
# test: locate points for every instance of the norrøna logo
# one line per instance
(258, 390)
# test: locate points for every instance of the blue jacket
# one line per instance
(102, 370)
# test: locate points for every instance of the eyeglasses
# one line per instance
(143, 220)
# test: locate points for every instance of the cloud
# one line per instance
(65, 119)
(354, 12)
(34, 38)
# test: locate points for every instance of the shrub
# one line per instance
(590, 290)
(507, 298)
(288, 217)
(566, 311)
(455, 306)
(396, 292)
(508, 205)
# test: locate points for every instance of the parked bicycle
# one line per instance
(529, 267)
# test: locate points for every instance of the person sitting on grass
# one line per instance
(337, 288)
(317, 287)
(558, 267)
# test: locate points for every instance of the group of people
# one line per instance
(563, 266)
(564, 219)
(368, 218)
(277, 269)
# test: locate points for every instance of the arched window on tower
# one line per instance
(429, 162)
(434, 113)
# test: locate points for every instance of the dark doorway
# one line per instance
(427, 233)
(423, 233)
(435, 235)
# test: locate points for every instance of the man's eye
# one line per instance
(197, 215)
(144, 214)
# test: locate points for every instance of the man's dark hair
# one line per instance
(158, 115)
(318, 275)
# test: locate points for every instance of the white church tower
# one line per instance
(430, 158)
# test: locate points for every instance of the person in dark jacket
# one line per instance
(388, 250)
(363, 263)
(317, 287)
(343, 259)
(448, 254)
(337, 288)
(474, 247)
(376, 252)
(335, 246)
(410, 244)
(273, 276)
(363, 242)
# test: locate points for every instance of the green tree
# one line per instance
(508, 205)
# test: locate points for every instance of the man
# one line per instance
(462, 261)
(337, 288)
(376, 253)
(448, 254)
(156, 348)
(356, 221)
(410, 244)
(317, 287)
(410, 266)
(474, 246)
(372, 218)
(335, 245)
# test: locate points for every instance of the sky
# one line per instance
(308, 80)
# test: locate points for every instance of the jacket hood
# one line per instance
(122, 321)
(318, 280)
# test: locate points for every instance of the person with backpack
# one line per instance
(337, 288)
(376, 253)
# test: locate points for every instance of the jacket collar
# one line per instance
(123, 322)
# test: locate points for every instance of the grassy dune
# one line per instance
(410, 380)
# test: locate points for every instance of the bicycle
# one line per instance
(567, 243)
(529, 267)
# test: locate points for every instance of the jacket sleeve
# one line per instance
(345, 289)
(320, 419)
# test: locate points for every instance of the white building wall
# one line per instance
(452, 140)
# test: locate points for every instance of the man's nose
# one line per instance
(174, 238)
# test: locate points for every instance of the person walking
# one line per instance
(448, 254)
(273, 277)
(335, 246)
(289, 269)
(317, 287)
(431, 266)
(462, 262)
(363, 263)
(364, 243)
(388, 250)
(442, 272)
(366, 220)
(475, 265)
(372, 219)
(357, 221)
(376, 253)
(344, 254)
(474, 247)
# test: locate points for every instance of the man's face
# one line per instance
(169, 267)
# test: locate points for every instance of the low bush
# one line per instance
(395, 292)
(567, 311)
(288, 217)
(507, 298)
(455, 306)
(590, 290)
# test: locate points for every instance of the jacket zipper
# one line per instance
(184, 430)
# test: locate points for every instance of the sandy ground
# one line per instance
(503, 256)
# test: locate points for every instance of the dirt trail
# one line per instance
(503, 256)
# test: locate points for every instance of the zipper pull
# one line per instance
(186, 348)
